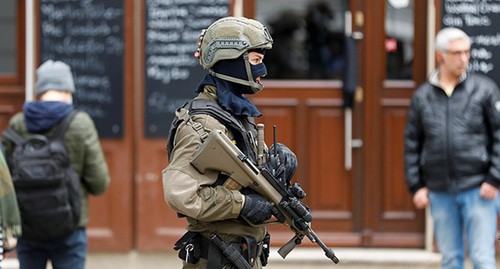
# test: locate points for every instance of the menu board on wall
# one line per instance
(88, 36)
(480, 20)
(172, 73)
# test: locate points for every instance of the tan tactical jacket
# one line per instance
(208, 209)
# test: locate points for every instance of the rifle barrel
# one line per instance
(328, 251)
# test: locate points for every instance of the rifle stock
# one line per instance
(220, 154)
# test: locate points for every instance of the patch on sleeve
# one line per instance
(497, 105)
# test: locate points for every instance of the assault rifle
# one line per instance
(220, 154)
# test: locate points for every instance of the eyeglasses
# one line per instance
(457, 53)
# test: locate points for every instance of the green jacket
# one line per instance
(84, 148)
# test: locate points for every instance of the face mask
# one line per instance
(235, 68)
(258, 70)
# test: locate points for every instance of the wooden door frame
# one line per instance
(12, 86)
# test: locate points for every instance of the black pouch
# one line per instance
(189, 247)
(265, 244)
(248, 246)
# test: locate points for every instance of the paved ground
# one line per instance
(300, 258)
(303, 259)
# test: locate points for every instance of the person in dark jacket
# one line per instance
(54, 89)
(452, 153)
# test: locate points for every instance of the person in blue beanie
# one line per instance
(54, 91)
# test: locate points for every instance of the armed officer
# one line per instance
(221, 220)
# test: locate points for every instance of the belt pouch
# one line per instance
(189, 242)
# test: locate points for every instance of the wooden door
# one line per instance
(309, 118)
(369, 204)
(390, 218)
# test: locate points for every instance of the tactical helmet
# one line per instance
(229, 38)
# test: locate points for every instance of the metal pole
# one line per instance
(30, 44)
(238, 8)
(348, 139)
(347, 110)
(431, 17)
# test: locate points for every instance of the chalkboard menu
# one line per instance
(172, 73)
(88, 36)
(480, 20)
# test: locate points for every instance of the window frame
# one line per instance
(17, 78)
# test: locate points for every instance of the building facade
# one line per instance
(133, 66)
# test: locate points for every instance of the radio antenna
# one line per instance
(274, 139)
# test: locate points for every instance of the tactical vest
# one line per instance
(243, 130)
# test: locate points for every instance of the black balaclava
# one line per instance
(230, 95)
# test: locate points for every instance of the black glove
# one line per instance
(256, 209)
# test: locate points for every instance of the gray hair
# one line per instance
(446, 35)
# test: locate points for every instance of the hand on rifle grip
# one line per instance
(256, 209)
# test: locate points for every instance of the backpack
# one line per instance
(47, 187)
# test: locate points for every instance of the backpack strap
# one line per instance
(10, 134)
(61, 129)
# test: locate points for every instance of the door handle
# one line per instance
(350, 143)
(356, 35)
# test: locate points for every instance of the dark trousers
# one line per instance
(67, 253)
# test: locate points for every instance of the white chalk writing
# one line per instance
(88, 36)
(172, 73)
(173, 27)
(479, 19)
